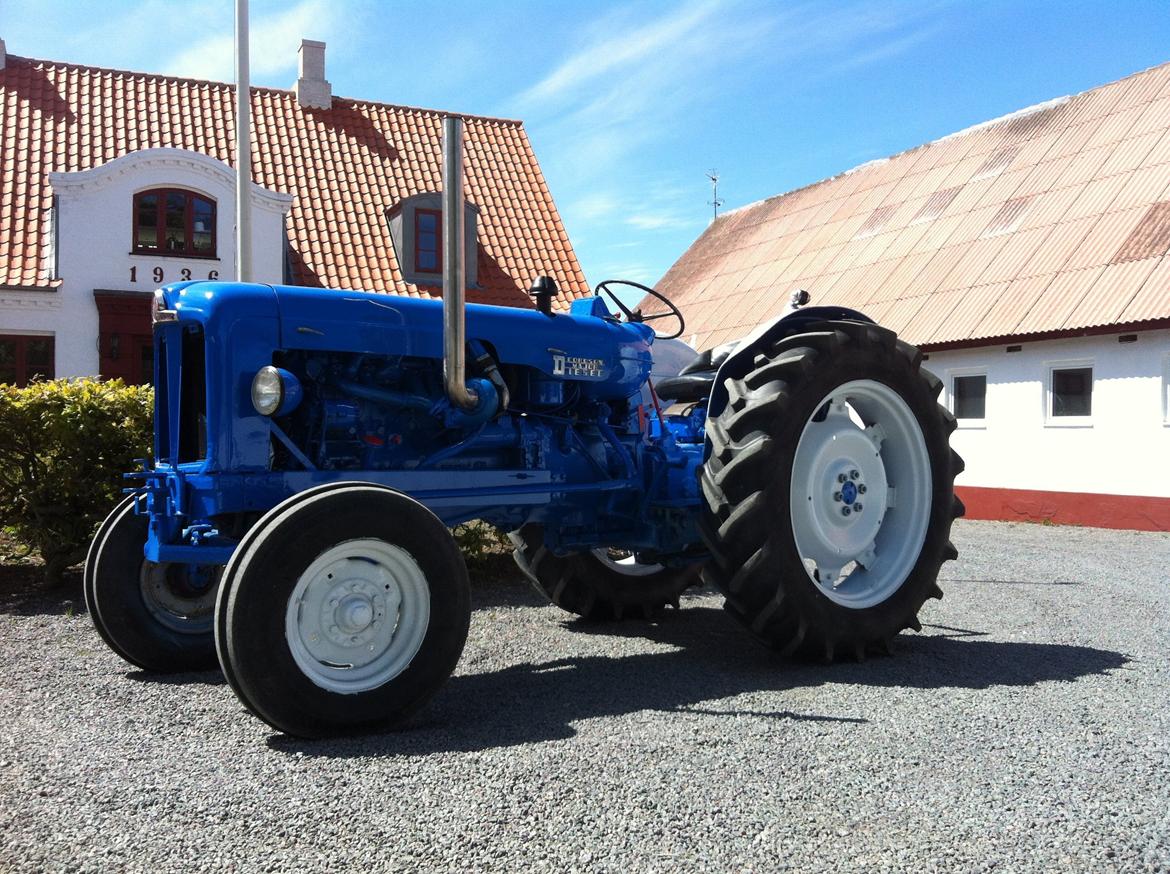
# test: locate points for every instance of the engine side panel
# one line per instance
(609, 359)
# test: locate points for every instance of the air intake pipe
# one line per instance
(454, 269)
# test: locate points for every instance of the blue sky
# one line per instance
(629, 104)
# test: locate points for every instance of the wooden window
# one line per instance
(428, 245)
(172, 221)
(23, 359)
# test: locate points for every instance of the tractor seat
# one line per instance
(694, 381)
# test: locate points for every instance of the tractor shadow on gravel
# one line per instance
(711, 660)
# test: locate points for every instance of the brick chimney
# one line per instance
(312, 89)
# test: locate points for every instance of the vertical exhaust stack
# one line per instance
(454, 268)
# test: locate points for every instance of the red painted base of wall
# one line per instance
(1067, 508)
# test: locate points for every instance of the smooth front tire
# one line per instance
(830, 491)
(343, 611)
(156, 616)
(600, 584)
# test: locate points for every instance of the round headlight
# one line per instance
(267, 390)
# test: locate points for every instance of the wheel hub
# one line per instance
(835, 462)
(862, 438)
(358, 615)
(180, 596)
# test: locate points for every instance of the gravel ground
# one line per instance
(1026, 728)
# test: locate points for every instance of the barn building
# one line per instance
(113, 183)
(1027, 257)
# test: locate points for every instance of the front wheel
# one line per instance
(602, 583)
(344, 611)
(157, 616)
(830, 491)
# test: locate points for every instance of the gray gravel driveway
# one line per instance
(1026, 728)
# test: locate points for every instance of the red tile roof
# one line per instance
(344, 167)
(1054, 219)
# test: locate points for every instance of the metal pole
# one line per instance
(454, 269)
(243, 148)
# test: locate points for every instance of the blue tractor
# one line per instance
(313, 449)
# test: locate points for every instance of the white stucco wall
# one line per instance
(94, 227)
(1122, 448)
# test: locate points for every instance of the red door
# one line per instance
(125, 339)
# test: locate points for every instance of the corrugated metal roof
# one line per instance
(1151, 237)
(1109, 295)
(1055, 218)
(1152, 298)
(344, 166)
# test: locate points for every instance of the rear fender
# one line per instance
(742, 359)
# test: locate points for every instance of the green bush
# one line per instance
(486, 549)
(64, 446)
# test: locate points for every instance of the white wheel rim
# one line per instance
(627, 564)
(358, 615)
(188, 609)
(868, 456)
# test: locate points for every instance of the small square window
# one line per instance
(1072, 391)
(969, 394)
(1166, 390)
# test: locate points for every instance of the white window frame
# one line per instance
(973, 424)
(1166, 390)
(1051, 421)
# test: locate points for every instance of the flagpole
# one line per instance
(243, 148)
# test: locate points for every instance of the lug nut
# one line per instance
(841, 477)
(857, 508)
(845, 511)
(861, 488)
(836, 496)
(854, 474)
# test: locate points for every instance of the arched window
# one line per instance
(172, 221)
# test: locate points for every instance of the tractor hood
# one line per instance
(613, 356)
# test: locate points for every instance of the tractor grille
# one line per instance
(180, 411)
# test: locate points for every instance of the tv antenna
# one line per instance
(714, 202)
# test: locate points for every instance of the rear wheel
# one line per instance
(602, 583)
(830, 491)
(157, 616)
(344, 611)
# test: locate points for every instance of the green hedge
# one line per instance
(64, 446)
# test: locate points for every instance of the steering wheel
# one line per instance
(603, 288)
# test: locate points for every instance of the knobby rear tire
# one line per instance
(747, 481)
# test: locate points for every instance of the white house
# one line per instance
(1027, 257)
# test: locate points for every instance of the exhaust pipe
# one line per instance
(454, 269)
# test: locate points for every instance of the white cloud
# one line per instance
(273, 42)
(657, 221)
(595, 205)
(604, 58)
(635, 271)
